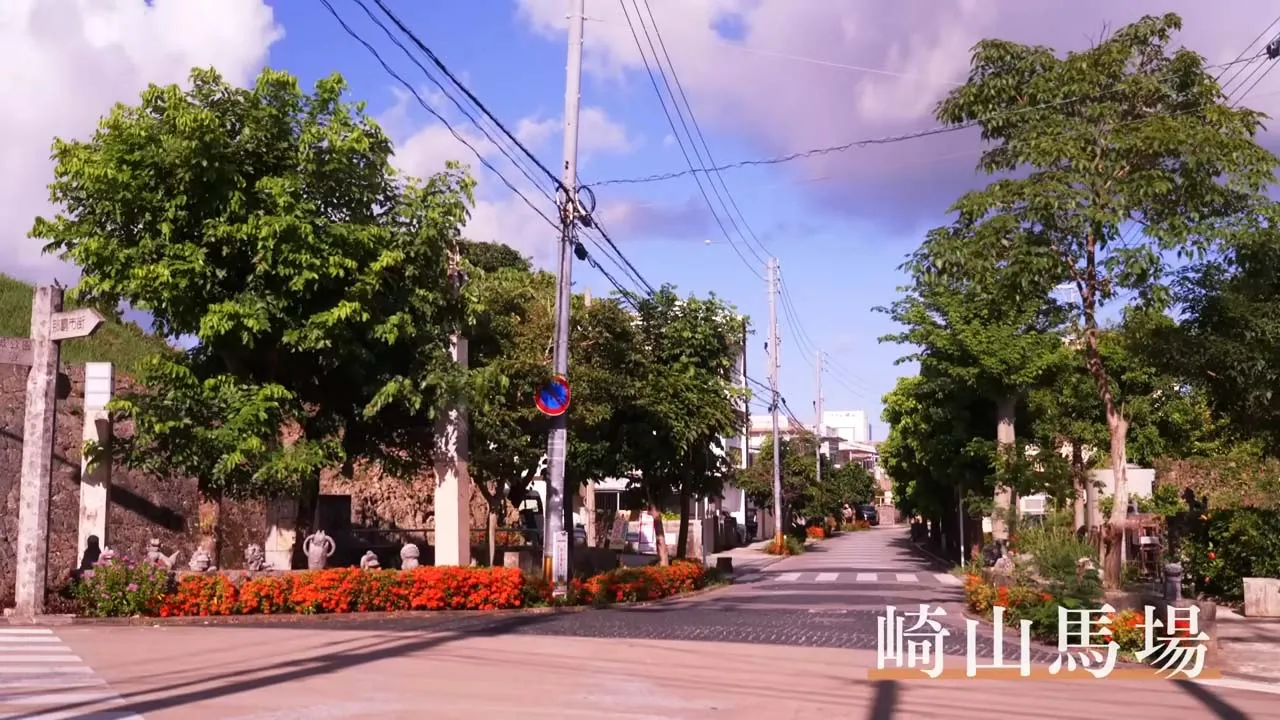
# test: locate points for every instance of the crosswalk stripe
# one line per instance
(76, 715)
(907, 577)
(948, 579)
(46, 648)
(59, 658)
(866, 577)
(46, 639)
(44, 670)
(827, 577)
(788, 577)
(61, 681)
(52, 698)
(25, 631)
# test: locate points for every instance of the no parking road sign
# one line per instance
(553, 398)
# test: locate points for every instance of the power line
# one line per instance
(732, 203)
(680, 140)
(884, 140)
(427, 106)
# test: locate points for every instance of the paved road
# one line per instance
(38, 673)
(796, 638)
(319, 673)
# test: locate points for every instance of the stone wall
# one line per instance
(142, 506)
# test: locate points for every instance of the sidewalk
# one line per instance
(1248, 647)
(748, 559)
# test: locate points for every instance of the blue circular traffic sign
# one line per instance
(553, 398)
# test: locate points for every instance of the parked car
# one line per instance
(869, 514)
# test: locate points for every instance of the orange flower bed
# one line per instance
(639, 584)
(346, 590)
(816, 532)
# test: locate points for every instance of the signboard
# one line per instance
(553, 398)
(74, 324)
(618, 533)
(560, 562)
(15, 351)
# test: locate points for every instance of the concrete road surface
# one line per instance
(795, 639)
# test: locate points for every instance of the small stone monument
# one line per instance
(158, 558)
(369, 561)
(254, 559)
(409, 556)
(200, 561)
(318, 548)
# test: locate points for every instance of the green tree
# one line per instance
(682, 401)
(1128, 132)
(267, 225)
(981, 331)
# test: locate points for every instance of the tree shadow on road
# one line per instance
(1216, 705)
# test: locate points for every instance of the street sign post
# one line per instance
(40, 352)
(553, 398)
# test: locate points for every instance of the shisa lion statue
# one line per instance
(158, 558)
(254, 559)
(409, 555)
(318, 548)
(369, 561)
(201, 561)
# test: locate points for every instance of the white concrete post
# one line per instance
(453, 480)
(95, 477)
(37, 456)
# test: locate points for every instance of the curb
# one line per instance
(347, 617)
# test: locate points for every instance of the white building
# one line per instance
(852, 426)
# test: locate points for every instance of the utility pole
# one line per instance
(817, 423)
(773, 406)
(555, 539)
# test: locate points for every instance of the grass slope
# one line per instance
(123, 344)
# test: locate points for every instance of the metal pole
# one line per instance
(778, 510)
(555, 542)
(817, 423)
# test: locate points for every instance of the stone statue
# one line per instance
(409, 556)
(159, 559)
(92, 553)
(200, 561)
(254, 559)
(370, 561)
(318, 548)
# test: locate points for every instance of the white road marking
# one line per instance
(25, 631)
(75, 715)
(948, 579)
(907, 577)
(1239, 684)
(788, 577)
(44, 669)
(827, 577)
(866, 577)
(56, 698)
(58, 658)
(6, 639)
(10, 649)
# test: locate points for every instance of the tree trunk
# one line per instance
(1113, 562)
(1005, 440)
(1079, 480)
(682, 535)
(308, 519)
(493, 532)
(659, 535)
(210, 514)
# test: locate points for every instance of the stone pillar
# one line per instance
(282, 521)
(95, 472)
(453, 481)
(37, 456)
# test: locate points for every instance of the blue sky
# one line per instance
(835, 268)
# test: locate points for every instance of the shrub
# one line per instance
(816, 532)
(855, 526)
(788, 546)
(118, 587)
(639, 584)
(345, 590)
(1222, 547)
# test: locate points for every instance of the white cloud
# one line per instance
(826, 72)
(499, 215)
(63, 63)
(597, 132)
